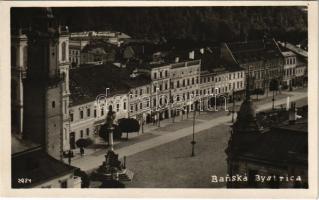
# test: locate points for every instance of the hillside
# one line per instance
(199, 24)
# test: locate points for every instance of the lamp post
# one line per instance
(233, 111)
(193, 142)
(128, 104)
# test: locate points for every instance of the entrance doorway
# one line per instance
(72, 140)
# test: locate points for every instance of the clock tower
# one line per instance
(46, 84)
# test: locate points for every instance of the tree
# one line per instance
(129, 125)
(104, 132)
(83, 143)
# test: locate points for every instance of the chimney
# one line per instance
(202, 50)
(292, 113)
(191, 55)
(176, 59)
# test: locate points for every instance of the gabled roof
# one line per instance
(254, 51)
(86, 83)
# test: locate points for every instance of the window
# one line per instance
(166, 74)
(87, 131)
(71, 117)
(160, 74)
(183, 82)
(136, 107)
(102, 111)
(141, 106)
(63, 51)
(165, 86)
(94, 112)
(88, 112)
(172, 85)
(155, 75)
(53, 104)
(193, 81)
(131, 108)
(81, 114)
(124, 105)
(147, 90)
(154, 88)
(154, 102)
(197, 80)
(81, 133)
(187, 81)
(160, 88)
(177, 84)
(117, 107)
(141, 91)
(229, 76)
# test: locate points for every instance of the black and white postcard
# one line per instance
(117, 99)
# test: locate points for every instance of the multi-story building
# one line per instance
(296, 62)
(160, 91)
(107, 86)
(261, 59)
(290, 63)
(75, 48)
(184, 79)
(97, 52)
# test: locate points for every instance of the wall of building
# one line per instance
(68, 180)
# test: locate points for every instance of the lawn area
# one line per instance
(171, 165)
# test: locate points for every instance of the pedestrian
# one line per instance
(82, 151)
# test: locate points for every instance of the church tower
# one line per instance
(45, 89)
(244, 131)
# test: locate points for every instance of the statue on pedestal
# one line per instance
(110, 117)
(112, 169)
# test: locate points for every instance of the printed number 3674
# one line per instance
(24, 180)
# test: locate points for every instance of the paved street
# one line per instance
(90, 162)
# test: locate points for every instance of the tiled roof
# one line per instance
(254, 51)
(86, 83)
(279, 145)
(38, 166)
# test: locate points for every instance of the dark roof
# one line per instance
(277, 146)
(38, 166)
(254, 51)
(86, 83)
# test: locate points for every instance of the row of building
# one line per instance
(154, 90)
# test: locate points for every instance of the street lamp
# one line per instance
(233, 111)
(128, 104)
(193, 142)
